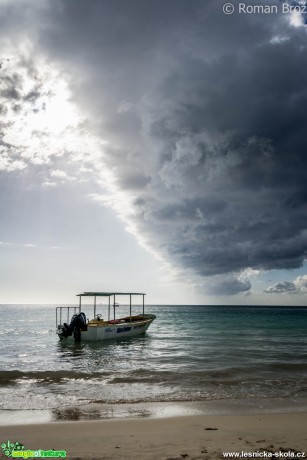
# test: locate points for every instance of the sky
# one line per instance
(154, 146)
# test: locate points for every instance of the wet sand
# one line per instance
(191, 437)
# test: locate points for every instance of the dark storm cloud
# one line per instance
(206, 119)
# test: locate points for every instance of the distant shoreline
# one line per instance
(51, 305)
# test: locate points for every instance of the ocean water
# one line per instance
(197, 354)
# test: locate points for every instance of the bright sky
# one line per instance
(152, 146)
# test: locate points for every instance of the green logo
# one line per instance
(9, 447)
(17, 450)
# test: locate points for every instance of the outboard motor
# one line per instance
(77, 324)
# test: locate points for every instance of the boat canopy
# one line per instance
(107, 294)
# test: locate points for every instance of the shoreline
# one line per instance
(188, 436)
(98, 411)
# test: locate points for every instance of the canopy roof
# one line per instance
(107, 294)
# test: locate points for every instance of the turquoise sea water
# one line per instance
(190, 353)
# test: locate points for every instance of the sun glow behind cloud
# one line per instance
(40, 123)
(44, 130)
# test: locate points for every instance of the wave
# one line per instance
(7, 377)
(264, 374)
(56, 389)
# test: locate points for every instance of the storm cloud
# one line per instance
(205, 130)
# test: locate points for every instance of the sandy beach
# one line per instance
(191, 437)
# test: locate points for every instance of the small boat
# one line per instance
(80, 329)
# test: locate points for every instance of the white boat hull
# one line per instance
(108, 331)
